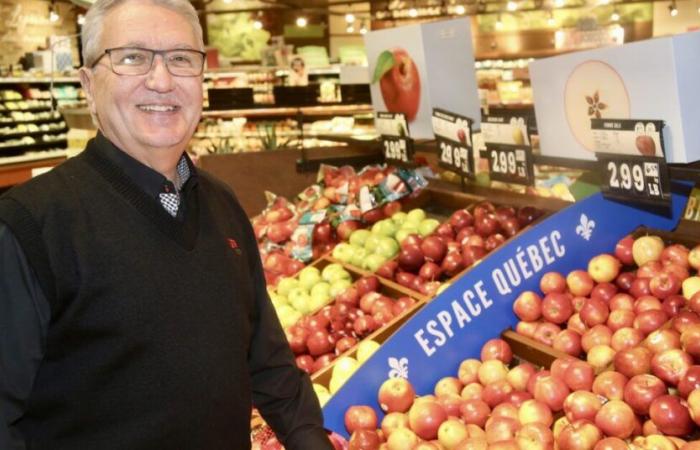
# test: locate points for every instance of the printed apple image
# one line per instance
(645, 145)
(399, 82)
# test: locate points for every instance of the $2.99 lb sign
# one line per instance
(638, 179)
(453, 135)
(510, 164)
(397, 146)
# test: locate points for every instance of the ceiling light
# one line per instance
(257, 25)
(550, 20)
(301, 21)
(81, 19)
(615, 16)
(53, 16)
(350, 29)
(511, 5)
(672, 9)
(363, 30)
(559, 3)
(413, 12)
(228, 2)
(349, 17)
(460, 9)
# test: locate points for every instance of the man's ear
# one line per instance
(86, 82)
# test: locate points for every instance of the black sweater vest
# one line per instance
(150, 317)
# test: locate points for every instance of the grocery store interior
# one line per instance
(478, 220)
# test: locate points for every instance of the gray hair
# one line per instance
(92, 28)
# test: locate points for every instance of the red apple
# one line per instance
(534, 436)
(468, 371)
(396, 395)
(670, 415)
(552, 282)
(497, 349)
(557, 307)
(633, 361)
(621, 301)
(620, 318)
(663, 339)
(647, 248)
(579, 435)
(447, 386)
(611, 443)
(604, 268)
(671, 365)
(528, 306)
(600, 356)
(533, 411)
(546, 332)
(433, 248)
(694, 405)
(392, 421)
(568, 341)
(401, 85)
(579, 283)
(360, 417)
(579, 376)
(640, 287)
(616, 419)
(676, 254)
(664, 285)
(582, 405)
(461, 218)
(650, 320)
(594, 312)
(685, 319)
(472, 391)
(501, 429)
(364, 440)
(491, 371)
(610, 385)
(346, 228)
(625, 338)
(475, 412)
(411, 258)
(401, 439)
(517, 398)
(450, 403)
(604, 291)
(690, 340)
(551, 391)
(623, 250)
(689, 382)
(641, 390)
(519, 376)
(576, 324)
(649, 269)
(504, 410)
(425, 419)
(496, 393)
(527, 328)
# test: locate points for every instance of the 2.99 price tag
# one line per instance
(510, 164)
(453, 135)
(397, 150)
(635, 179)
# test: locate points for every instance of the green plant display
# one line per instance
(235, 36)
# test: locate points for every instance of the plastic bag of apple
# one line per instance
(419, 252)
(636, 309)
(499, 402)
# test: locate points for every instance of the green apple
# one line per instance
(285, 285)
(387, 247)
(341, 274)
(359, 256)
(374, 261)
(410, 226)
(690, 286)
(384, 228)
(288, 316)
(278, 300)
(339, 286)
(403, 234)
(399, 217)
(296, 292)
(372, 242)
(365, 349)
(321, 289)
(322, 393)
(308, 277)
(343, 252)
(358, 237)
(427, 226)
(317, 302)
(415, 215)
(329, 270)
(301, 303)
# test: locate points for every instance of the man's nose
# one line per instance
(159, 78)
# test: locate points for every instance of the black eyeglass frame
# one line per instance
(163, 53)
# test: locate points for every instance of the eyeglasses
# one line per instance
(138, 61)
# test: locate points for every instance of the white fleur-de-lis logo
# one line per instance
(399, 368)
(585, 228)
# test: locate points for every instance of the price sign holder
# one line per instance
(397, 145)
(508, 147)
(453, 134)
(630, 154)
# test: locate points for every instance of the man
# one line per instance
(133, 311)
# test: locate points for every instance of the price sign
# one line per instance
(692, 209)
(636, 179)
(453, 135)
(510, 164)
(631, 155)
(397, 149)
(397, 145)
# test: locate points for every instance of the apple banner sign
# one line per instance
(478, 306)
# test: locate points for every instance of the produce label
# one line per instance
(692, 210)
(635, 179)
(628, 136)
(479, 306)
(511, 164)
(454, 140)
(397, 145)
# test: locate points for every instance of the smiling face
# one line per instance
(151, 116)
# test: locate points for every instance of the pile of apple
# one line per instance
(309, 291)
(277, 265)
(617, 314)
(424, 261)
(491, 406)
(370, 249)
(357, 311)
